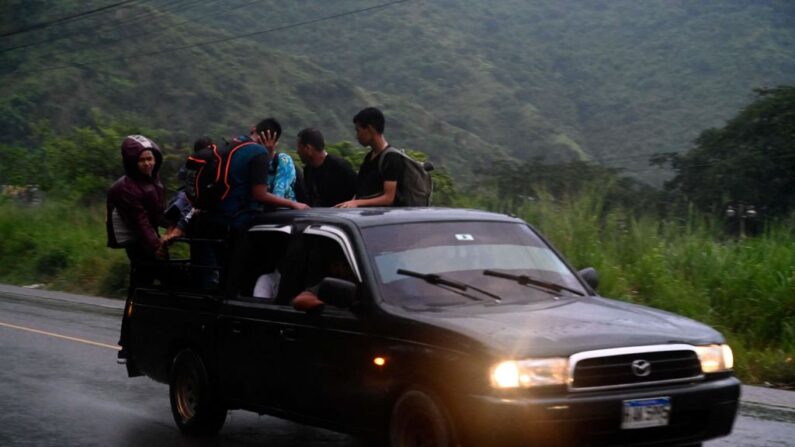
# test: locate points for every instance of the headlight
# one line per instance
(715, 358)
(530, 373)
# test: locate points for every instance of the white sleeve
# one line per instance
(265, 286)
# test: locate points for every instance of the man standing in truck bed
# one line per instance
(377, 183)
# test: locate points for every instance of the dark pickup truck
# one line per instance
(440, 327)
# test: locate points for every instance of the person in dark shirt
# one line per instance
(377, 183)
(329, 179)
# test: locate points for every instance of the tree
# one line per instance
(750, 160)
(516, 183)
(79, 166)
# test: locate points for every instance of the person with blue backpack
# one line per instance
(229, 187)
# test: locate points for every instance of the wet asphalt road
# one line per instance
(57, 391)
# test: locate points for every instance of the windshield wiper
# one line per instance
(448, 284)
(535, 283)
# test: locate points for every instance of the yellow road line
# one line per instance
(65, 337)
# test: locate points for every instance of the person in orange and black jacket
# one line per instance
(135, 207)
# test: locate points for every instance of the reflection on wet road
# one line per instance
(761, 426)
(61, 392)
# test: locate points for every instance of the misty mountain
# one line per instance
(468, 81)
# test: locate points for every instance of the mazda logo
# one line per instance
(641, 368)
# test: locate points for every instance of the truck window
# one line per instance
(310, 258)
(462, 251)
(262, 268)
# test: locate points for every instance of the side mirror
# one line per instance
(337, 292)
(591, 277)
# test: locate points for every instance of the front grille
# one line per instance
(618, 370)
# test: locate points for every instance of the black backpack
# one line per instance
(416, 186)
(206, 175)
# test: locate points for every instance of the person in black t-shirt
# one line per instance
(329, 179)
(375, 186)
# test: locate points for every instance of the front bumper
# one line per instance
(699, 411)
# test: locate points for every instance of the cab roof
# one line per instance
(370, 217)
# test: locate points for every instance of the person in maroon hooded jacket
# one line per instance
(135, 207)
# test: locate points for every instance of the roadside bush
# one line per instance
(51, 262)
(60, 245)
(115, 281)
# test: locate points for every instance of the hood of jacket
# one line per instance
(131, 149)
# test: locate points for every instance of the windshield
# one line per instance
(462, 251)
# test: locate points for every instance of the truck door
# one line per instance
(249, 329)
(326, 354)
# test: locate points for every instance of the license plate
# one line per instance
(642, 413)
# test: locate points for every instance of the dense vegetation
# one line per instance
(745, 288)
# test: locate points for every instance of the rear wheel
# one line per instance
(194, 403)
(419, 421)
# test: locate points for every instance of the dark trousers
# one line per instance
(143, 268)
(143, 273)
(207, 256)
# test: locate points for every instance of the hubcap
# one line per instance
(187, 395)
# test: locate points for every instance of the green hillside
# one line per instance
(617, 80)
(468, 81)
(217, 90)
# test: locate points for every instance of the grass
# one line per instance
(61, 246)
(744, 288)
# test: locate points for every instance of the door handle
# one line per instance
(236, 328)
(288, 334)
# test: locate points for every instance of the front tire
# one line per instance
(419, 421)
(194, 403)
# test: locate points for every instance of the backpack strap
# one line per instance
(228, 163)
(219, 162)
(203, 164)
(388, 150)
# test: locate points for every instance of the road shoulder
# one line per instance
(41, 294)
(771, 397)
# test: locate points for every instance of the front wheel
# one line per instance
(419, 421)
(194, 403)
